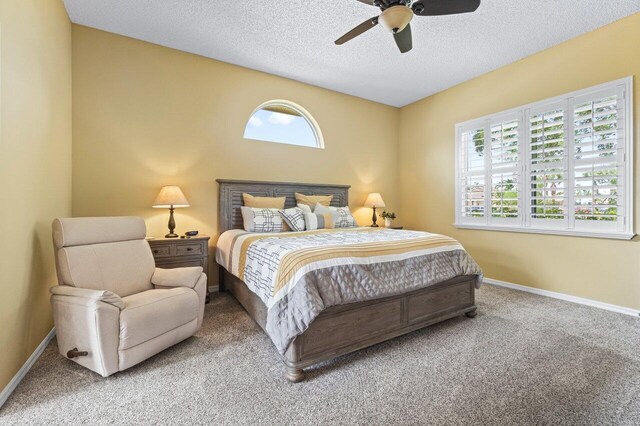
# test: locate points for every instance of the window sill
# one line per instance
(570, 233)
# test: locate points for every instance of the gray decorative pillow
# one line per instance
(344, 218)
(342, 215)
(294, 217)
(262, 220)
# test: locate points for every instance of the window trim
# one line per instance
(315, 127)
(523, 112)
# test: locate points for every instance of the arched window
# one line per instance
(283, 121)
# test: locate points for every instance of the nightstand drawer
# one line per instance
(172, 263)
(189, 249)
(161, 251)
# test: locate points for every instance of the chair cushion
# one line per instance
(80, 231)
(123, 268)
(152, 313)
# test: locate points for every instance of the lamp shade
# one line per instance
(374, 200)
(170, 196)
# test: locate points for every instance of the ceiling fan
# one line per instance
(396, 15)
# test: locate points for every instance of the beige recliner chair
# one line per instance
(113, 308)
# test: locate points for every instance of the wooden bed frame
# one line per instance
(347, 328)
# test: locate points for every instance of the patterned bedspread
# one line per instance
(299, 274)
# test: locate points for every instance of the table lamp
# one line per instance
(170, 197)
(374, 200)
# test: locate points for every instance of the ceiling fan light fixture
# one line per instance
(396, 18)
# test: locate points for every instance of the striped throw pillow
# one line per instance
(314, 221)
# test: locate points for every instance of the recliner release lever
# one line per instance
(73, 353)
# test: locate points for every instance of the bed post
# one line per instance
(294, 374)
(221, 286)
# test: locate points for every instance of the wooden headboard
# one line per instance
(230, 196)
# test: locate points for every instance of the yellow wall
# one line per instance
(604, 270)
(35, 168)
(146, 116)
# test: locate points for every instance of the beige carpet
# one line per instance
(524, 359)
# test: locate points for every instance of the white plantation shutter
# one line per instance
(471, 179)
(558, 166)
(505, 170)
(547, 167)
(598, 160)
(489, 171)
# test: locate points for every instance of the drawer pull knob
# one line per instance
(189, 248)
(155, 251)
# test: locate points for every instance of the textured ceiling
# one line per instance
(294, 38)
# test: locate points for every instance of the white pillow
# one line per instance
(342, 215)
(262, 219)
(305, 208)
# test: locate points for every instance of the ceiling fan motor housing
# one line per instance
(396, 18)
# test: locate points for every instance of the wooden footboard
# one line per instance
(343, 329)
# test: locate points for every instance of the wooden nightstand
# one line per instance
(180, 252)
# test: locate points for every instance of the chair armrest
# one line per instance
(88, 324)
(85, 293)
(177, 277)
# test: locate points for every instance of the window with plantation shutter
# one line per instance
(559, 166)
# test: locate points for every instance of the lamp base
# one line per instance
(172, 225)
(374, 218)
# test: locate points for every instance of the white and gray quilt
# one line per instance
(299, 274)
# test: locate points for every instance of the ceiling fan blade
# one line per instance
(403, 39)
(365, 26)
(444, 7)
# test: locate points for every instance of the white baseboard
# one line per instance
(567, 297)
(11, 386)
